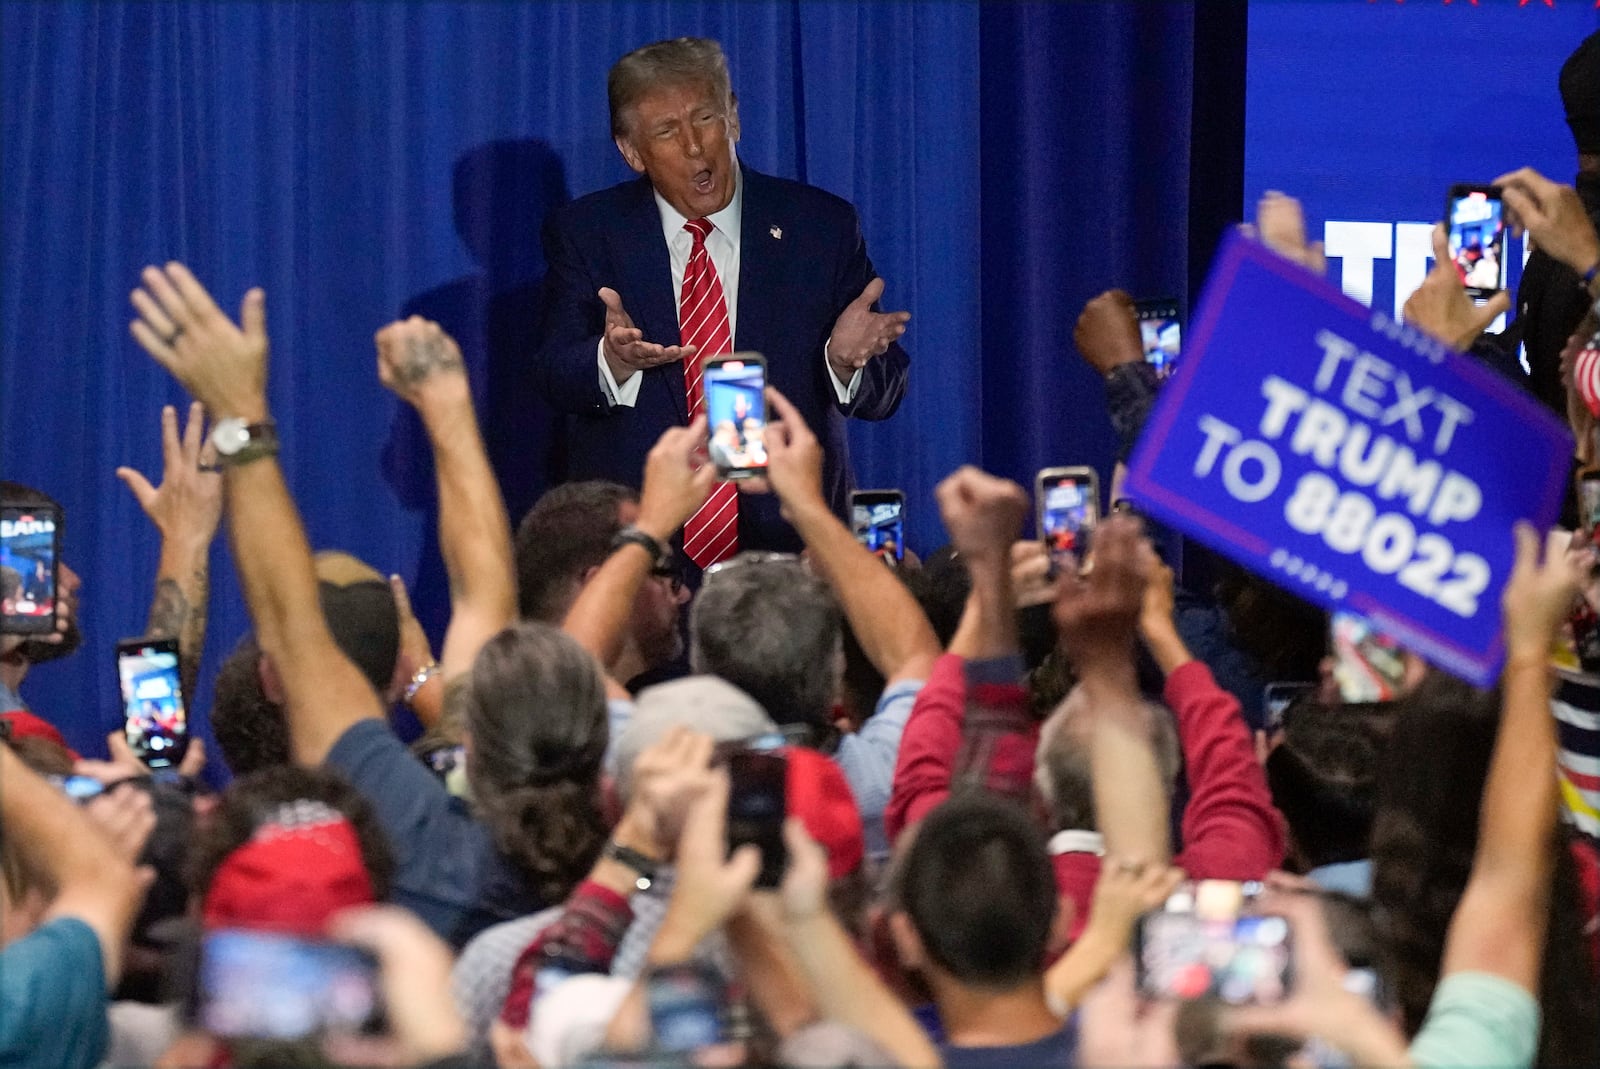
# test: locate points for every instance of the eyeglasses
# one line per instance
(752, 557)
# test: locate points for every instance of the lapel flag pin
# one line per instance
(776, 232)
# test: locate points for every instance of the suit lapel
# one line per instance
(645, 269)
(760, 263)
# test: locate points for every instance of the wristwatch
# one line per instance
(643, 866)
(239, 442)
(632, 536)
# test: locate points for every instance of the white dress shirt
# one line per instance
(722, 245)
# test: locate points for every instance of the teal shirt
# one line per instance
(53, 998)
(1480, 1020)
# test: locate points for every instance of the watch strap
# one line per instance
(632, 536)
(646, 867)
(262, 442)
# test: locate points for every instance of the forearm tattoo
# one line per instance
(421, 357)
(169, 612)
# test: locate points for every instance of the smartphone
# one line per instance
(1368, 665)
(736, 413)
(1279, 696)
(757, 804)
(1589, 506)
(264, 985)
(1247, 959)
(30, 554)
(154, 717)
(685, 1007)
(1475, 220)
(1068, 501)
(1161, 331)
(878, 519)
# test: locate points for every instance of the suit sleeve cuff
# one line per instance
(846, 392)
(627, 394)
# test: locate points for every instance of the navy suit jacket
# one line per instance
(801, 261)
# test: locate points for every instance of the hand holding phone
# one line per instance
(1368, 665)
(264, 985)
(1203, 943)
(155, 718)
(1476, 233)
(757, 804)
(1161, 333)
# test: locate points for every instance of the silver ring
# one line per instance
(177, 332)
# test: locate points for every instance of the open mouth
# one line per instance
(703, 182)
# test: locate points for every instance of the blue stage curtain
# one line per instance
(363, 159)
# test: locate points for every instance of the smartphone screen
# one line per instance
(269, 986)
(1368, 666)
(78, 788)
(685, 1008)
(736, 414)
(1589, 506)
(1068, 500)
(757, 804)
(154, 716)
(1161, 332)
(30, 545)
(1242, 960)
(878, 519)
(1475, 220)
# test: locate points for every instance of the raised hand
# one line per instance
(664, 782)
(982, 513)
(1441, 307)
(187, 506)
(1097, 610)
(794, 456)
(675, 484)
(625, 349)
(421, 364)
(1107, 332)
(222, 365)
(1553, 214)
(1281, 226)
(859, 334)
(1539, 594)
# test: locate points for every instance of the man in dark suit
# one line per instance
(786, 260)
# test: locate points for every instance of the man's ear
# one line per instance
(907, 943)
(630, 155)
(271, 685)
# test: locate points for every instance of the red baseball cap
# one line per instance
(820, 796)
(301, 867)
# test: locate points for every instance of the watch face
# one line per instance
(230, 436)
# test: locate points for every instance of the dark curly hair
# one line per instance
(250, 800)
(251, 731)
(534, 706)
(1424, 835)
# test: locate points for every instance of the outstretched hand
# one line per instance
(1540, 593)
(625, 349)
(859, 334)
(187, 506)
(222, 365)
(1441, 307)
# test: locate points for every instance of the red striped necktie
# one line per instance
(712, 533)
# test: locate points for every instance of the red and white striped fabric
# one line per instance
(1586, 376)
(712, 533)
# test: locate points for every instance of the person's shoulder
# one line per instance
(601, 207)
(807, 199)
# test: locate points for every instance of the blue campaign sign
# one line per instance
(1349, 458)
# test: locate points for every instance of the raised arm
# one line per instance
(845, 988)
(887, 621)
(1499, 924)
(673, 489)
(421, 364)
(186, 509)
(94, 882)
(1096, 614)
(224, 366)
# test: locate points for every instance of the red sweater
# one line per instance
(1230, 829)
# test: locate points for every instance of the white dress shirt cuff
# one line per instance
(845, 391)
(627, 394)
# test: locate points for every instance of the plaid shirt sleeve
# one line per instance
(583, 939)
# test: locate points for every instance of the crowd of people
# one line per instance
(991, 808)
